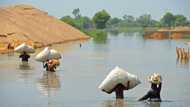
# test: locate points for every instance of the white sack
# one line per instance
(118, 76)
(24, 48)
(43, 55)
(54, 54)
(47, 54)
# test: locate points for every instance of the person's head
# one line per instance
(24, 52)
(50, 61)
(155, 78)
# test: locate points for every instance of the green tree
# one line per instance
(113, 22)
(144, 20)
(87, 23)
(168, 20)
(69, 20)
(100, 19)
(129, 18)
(76, 13)
(128, 21)
(180, 20)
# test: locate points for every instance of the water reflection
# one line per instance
(152, 104)
(116, 103)
(49, 83)
(10, 54)
(25, 71)
(123, 103)
(101, 38)
(114, 33)
(24, 66)
(182, 63)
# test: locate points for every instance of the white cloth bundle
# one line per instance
(47, 54)
(118, 76)
(24, 48)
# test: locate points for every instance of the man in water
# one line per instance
(154, 93)
(49, 65)
(24, 56)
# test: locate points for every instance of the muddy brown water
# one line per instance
(75, 84)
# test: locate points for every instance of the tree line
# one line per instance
(102, 19)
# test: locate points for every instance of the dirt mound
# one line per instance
(24, 23)
(156, 36)
(176, 36)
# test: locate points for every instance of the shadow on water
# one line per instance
(49, 82)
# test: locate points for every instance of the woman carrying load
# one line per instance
(154, 93)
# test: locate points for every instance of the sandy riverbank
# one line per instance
(24, 23)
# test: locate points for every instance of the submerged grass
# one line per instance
(98, 35)
(186, 36)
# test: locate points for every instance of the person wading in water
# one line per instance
(154, 93)
(24, 56)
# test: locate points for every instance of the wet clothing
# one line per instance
(52, 67)
(49, 66)
(154, 93)
(24, 57)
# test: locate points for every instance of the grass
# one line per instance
(187, 36)
(95, 32)
(99, 35)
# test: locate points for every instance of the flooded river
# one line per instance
(75, 84)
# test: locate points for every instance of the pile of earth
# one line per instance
(24, 23)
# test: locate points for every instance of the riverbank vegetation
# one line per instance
(92, 26)
(102, 22)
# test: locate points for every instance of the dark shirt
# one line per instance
(45, 65)
(153, 93)
(156, 87)
(24, 57)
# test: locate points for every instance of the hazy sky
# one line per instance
(116, 8)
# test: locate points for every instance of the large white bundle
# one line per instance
(47, 54)
(119, 76)
(54, 54)
(24, 48)
(43, 55)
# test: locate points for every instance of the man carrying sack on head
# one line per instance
(51, 65)
(156, 84)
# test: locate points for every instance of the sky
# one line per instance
(116, 8)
